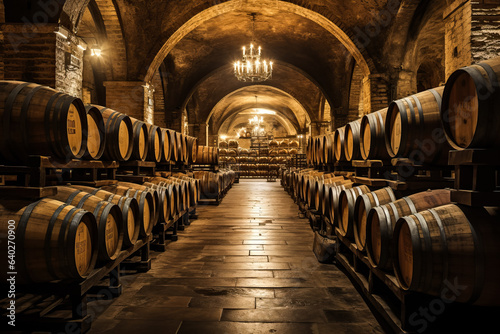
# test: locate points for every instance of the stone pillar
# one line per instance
(375, 92)
(35, 53)
(127, 97)
(458, 26)
(472, 33)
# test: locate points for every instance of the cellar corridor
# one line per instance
(245, 266)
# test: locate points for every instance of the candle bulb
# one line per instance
(260, 49)
(244, 51)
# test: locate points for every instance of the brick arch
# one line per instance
(113, 35)
(228, 67)
(216, 108)
(322, 17)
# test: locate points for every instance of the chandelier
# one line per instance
(251, 68)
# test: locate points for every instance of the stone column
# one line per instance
(472, 33)
(375, 92)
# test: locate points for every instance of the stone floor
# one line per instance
(245, 266)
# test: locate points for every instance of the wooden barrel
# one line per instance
(54, 240)
(172, 141)
(37, 120)
(413, 128)
(382, 219)
(165, 208)
(363, 205)
(338, 140)
(181, 148)
(450, 243)
(158, 201)
(166, 150)
(347, 200)
(352, 146)
(96, 134)
(156, 140)
(129, 208)
(328, 148)
(119, 135)
(309, 151)
(470, 106)
(192, 149)
(372, 136)
(324, 196)
(334, 195)
(108, 216)
(140, 140)
(146, 206)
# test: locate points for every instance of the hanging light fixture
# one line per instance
(251, 68)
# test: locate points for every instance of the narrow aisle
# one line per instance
(245, 266)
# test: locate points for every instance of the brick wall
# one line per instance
(355, 101)
(126, 97)
(28, 53)
(458, 27)
(159, 99)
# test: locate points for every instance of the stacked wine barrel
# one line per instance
(212, 185)
(207, 155)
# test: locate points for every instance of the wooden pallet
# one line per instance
(477, 172)
(371, 169)
(35, 303)
(138, 168)
(42, 171)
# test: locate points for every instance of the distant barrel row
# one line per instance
(213, 184)
(39, 120)
(425, 126)
(66, 235)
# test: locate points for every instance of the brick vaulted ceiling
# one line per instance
(315, 45)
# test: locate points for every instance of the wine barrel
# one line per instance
(352, 146)
(165, 208)
(338, 141)
(166, 150)
(140, 140)
(146, 206)
(119, 135)
(309, 151)
(363, 205)
(319, 189)
(470, 106)
(96, 134)
(328, 148)
(156, 140)
(326, 200)
(372, 136)
(172, 141)
(192, 149)
(450, 243)
(54, 240)
(347, 200)
(129, 208)
(413, 127)
(181, 148)
(382, 219)
(158, 201)
(108, 216)
(38, 120)
(333, 195)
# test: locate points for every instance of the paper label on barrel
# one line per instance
(111, 235)
(83, 249)
(74, 130)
